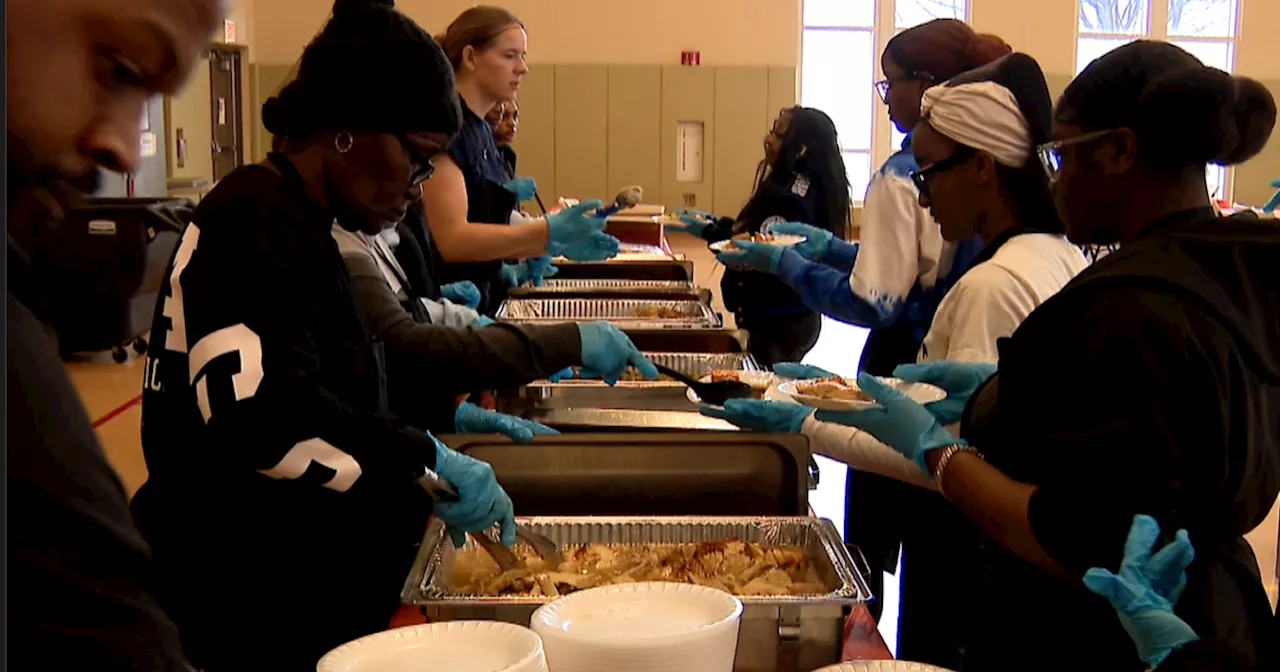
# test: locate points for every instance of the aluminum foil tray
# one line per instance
(616, 285)
(429, 581)
(692, 364)
(693, 314)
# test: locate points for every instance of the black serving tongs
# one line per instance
(711, 393)
(442, 491)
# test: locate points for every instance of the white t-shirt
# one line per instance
(986, 304)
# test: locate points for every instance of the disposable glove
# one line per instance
(596, 246)
(691, 224)
(816, 241)
(471, 419)
(900, 423)
(607, 352)
(562, 374)
(540, 268)
(481, 501)
(515, 274)
(572, 226)
(464, 293)
(481, 322)
(959, 379)
(757, 256)
(1148, 586)
(778, 417)
(800, 371)
(696, 214)
(523, 187)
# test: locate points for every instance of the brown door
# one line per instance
(224, 84)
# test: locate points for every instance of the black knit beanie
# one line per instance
(370, 69)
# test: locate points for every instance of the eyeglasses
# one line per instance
(420, 167)
(883, 86)
(921, 177)
(1051, 152)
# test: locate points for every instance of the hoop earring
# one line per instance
(343, 142)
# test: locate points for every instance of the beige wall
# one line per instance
(628, 134)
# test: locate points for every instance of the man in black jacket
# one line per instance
(80, 575)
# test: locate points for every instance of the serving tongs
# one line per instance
(442, 491)
(715, 393)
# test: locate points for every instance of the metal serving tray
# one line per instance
(693, 314)
(616, 288)
(692, 364)
(789, 633)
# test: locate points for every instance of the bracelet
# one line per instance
(948, 453)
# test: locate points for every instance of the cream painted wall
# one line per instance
(727, 32)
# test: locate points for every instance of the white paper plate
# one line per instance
(457, 646)
(780, 239)
(882, 666)
(752, 378)
(922, 393)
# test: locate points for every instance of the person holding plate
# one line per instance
(1150, 383)
(802, 178)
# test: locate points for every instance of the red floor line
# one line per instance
(117, 411)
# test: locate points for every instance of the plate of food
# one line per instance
(839, 394)
(763, 384)
(780, 239)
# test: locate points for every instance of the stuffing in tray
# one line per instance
(737, 567)
(659, 312)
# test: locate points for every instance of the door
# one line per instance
(224, 99)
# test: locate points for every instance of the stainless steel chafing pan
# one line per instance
(623, 312)
(777, 632)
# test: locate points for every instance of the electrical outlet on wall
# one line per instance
(690, 200)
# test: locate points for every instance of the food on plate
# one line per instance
(662, 312)
(757, 388)
(731, 565)
(752, 237)
(834, 388)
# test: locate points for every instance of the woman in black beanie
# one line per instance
(283, 504)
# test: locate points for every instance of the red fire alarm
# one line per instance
(691, 58)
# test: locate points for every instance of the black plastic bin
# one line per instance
(104, 271)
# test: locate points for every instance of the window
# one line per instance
(1206, 28)
(840, 61)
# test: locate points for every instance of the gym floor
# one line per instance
(111, 393)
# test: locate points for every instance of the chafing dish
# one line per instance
(615, 288)
(690, 314)
(790, 633)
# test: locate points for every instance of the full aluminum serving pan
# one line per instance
(693, 314)
(787, 633)
(614, 288)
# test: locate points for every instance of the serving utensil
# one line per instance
(715, 393)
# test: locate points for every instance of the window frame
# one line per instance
(1158, 29)
(883, 28)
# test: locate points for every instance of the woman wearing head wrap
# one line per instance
(1150, 383)
(486, 47)
(282, 504)
(801, 179)
(981, 177)
(892, 280)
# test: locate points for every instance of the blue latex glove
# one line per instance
(816, 241)
(778, 417)
(691, 224)
(523, 187)
(607, 352)
(958, 379)
(464, 293)
(597, 246)
(471, 419)
(560, 375)
(757, 256)
(515, 274)
(800, 371)
(900, 423)
(697, 214)
(1148, 586)
(481, 501)
(539, 268)
(572, 226)
(481, 322)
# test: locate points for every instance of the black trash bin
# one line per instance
(102, 274)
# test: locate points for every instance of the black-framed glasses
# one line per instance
(420, 167)
(883, 86)
(1051, 152)
(922, 176)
